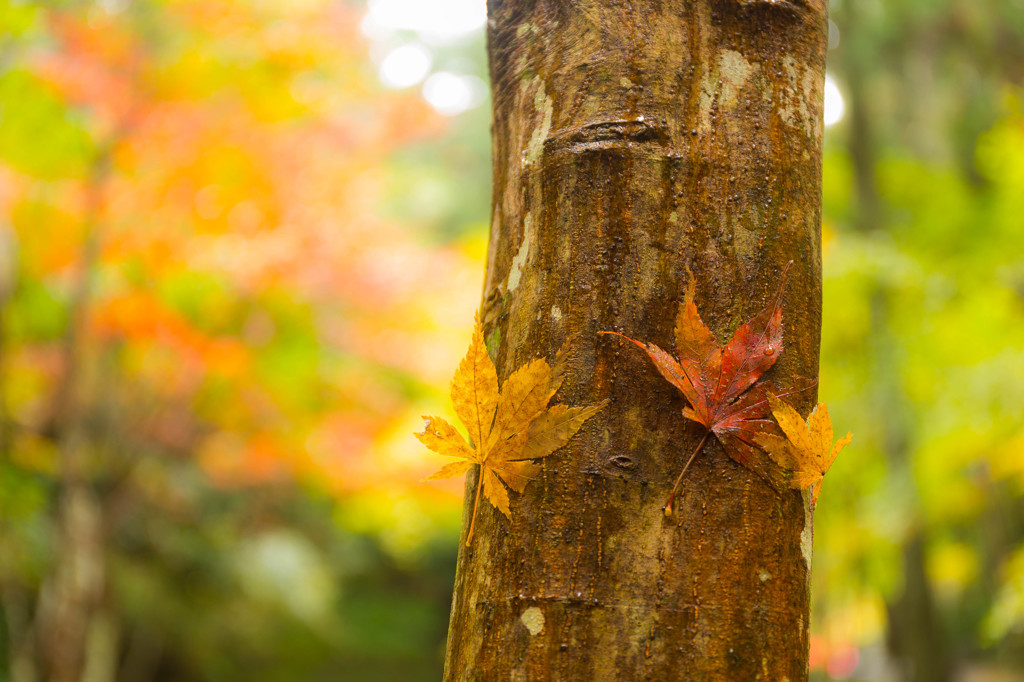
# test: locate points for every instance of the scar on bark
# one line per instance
(607, 135)
(798, 7)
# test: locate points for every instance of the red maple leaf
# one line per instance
(715, 380)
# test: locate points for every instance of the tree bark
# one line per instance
(634, 139)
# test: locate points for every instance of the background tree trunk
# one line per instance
(633, 140)
(69, 598)
(915, 634)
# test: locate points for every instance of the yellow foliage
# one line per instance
(807, 450)
(507, 426)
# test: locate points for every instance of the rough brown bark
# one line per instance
(631, 140)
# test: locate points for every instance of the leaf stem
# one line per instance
(476, 503)
(675, 488)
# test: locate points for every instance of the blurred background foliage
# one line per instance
(241, 243)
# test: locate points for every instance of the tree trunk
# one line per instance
(70, 595)
(633, 139)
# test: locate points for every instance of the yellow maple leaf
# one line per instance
(507, 427)
(807, 451)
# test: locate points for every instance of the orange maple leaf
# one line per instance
(715, 379)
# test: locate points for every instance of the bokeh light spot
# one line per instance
(404, 66)
(451, 94)
(834, 105)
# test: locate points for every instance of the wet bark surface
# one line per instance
(633, 140)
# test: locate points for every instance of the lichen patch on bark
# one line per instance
(801, 98)
(733, 70)
(515, 273)
(533, 619)
(545, 106)
(807, 535)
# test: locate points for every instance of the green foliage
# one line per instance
(922, 339)
(39, 134)
(245, 410)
